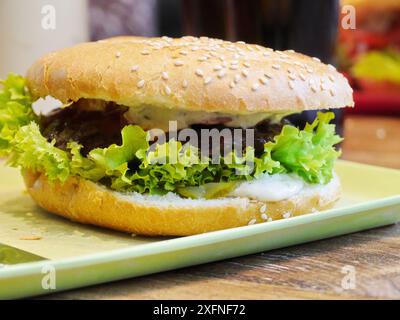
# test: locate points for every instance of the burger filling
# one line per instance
(112, 145)
(93, 128)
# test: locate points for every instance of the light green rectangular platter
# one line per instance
(371, 198)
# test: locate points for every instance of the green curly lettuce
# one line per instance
(30, 150)
(15, 110)
(134, 166)
(309, 153)
(378, 66)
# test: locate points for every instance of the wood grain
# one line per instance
(309, 271)
(372, 140)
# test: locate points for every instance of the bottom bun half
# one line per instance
(87, 202)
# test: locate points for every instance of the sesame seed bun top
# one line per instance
(197, 74)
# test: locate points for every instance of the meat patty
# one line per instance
(100, 129)
(92, 129)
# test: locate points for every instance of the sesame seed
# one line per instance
(118, 54)
(264, 216)
(290, 70)
(332, 92)
(221, 74)
(268, 75)
(332, 78)
(263, 80)
(207, 80)
(252, 221)
(237, 78)
(276, 66)
(331, 67)
(134, 68)
(314, 88)
(234, 67)
(255, 86)
(266, 54)
(316, 59)
(291, 85)
(189, 38)
(309, 70)
(290, 51)
(236, 56)
(157, 44)
(184, 84)
(183, 52)
(246, 64)
(164, 75)
(302, 76)
(241, 42)
(167, 90)
(145, 52)
(292, 77)
(232, 84)
(263, 208)
(323, 87)
(249, 47)
(234, 62)
(224, 63)
(203, 58)
(140, 84)
(195, 48)
(178, 63)
(199, 72)
(217, 67)
(245, 73)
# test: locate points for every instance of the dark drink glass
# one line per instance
(307, 26)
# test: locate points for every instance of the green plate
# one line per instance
(77, 256)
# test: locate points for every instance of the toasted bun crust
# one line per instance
(86, 202)
(198, 74)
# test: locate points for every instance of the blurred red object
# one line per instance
(378, 30)
(376, 103)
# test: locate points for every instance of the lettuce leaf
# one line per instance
(309, 152)
(15, 110)
(30, 150)
(171, 166)
(378, 66)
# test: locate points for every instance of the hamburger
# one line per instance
(109, 156)
(370, 53)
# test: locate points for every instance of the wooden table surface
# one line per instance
(370, 260)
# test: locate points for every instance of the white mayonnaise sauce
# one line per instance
(149, 117)
(278, 187)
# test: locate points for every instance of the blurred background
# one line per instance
(360, 37)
